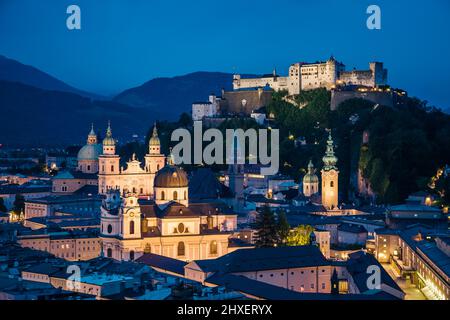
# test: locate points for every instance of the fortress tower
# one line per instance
(330, 177)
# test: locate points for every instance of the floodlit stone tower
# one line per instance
(330, 176)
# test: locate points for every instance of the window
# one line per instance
(181, 249)
(331, 184)
(163, 195)
(109, 228)
(131, 255)
(131, 227)
(109, 253)
(88, 168)
(175, 195)
(213, 247)
(112, 168)
(185, 195)
(181, 228)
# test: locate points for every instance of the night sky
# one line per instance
(124, 43)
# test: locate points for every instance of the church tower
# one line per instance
(109, 164)
(154, 160)
(330, 175)
(130, 217)
(310, 181)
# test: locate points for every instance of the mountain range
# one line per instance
(38, 109)
(12, 70)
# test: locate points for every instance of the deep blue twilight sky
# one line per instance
(124, 43)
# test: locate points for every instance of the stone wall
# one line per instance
(382, 98)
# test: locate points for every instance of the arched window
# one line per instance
(109, 228)
(131, 255)
(157, 167)
(131, 227)
(163, 195)
(185, 195)
(109, 253)
(180, 249)
(88, 168)
(213, 247)
(331, 184)
(134, 189)
(175, 195)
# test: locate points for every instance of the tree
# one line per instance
(266, 234)
(2, 205)
(19, 204)
(185, 120)
(283, 227)
(300, 236)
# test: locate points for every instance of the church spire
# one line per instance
(329, 160)
(310, 167)
(109, 141)
(170, 158)
(154, 144)
(92, 137)
(155, 131)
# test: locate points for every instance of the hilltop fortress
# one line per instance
(307, 76)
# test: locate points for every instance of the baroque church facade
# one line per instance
(168, 225)
(135, 177)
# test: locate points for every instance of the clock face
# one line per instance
(131, 214)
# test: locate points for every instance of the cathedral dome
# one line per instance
(171, 177)
(89, 152)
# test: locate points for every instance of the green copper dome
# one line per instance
(310, 177)
(89, 152)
